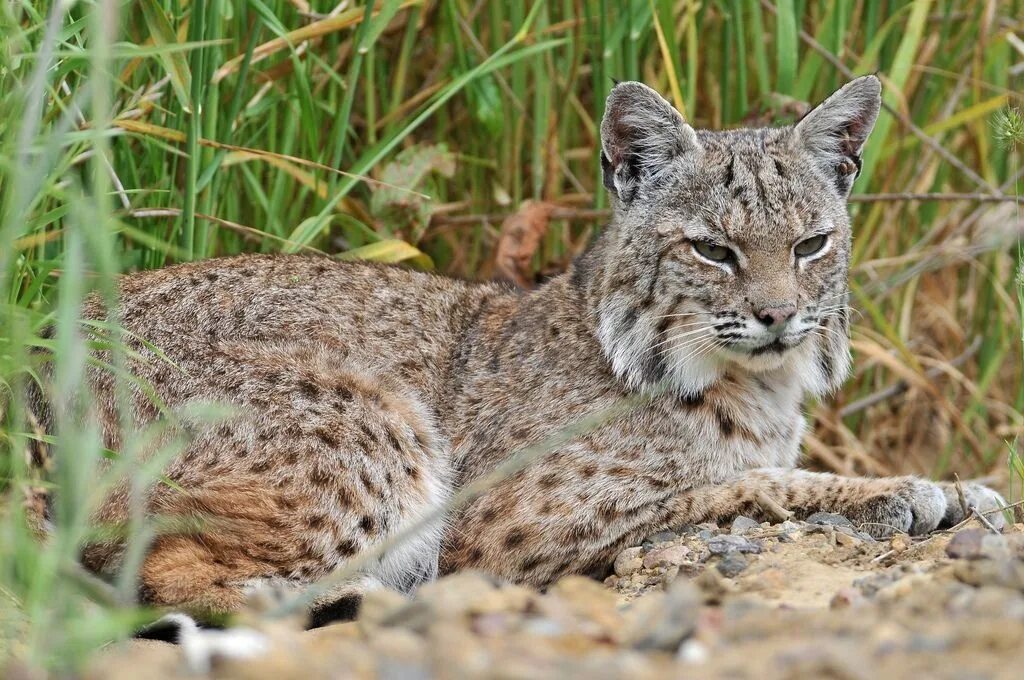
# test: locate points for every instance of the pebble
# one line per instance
(629, 561)
(1016, 543)
(900, 542)
(720, 545)
(846, 597)
(742, 524)
(966, 544)
(995, 547)
(829, 519)
(693, 652)
(663, 557)
(661, 621)
(1004, 573)
(845, 539)
(732, 564)
(662, 537)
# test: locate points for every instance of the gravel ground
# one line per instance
(791, 600)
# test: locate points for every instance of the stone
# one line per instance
(663, 557)
(662, 537)
(846, 597)
(846, 539)
(719, 545)
(582, 605)
(629, 561)
(900, 543)
(1016, 543)
(995, 547)
(829, 519)
(661, 621)
(713, 586)
(379, 606)
(1003, 573)
(742, 524)
(966, 544)
(732, 564)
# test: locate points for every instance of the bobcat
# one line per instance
(717, 295)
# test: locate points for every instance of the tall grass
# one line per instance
(138, 134)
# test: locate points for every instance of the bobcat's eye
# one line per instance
(713, 251)
(810, 246)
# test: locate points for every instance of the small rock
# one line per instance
(829, 519)
(846, 597)
(662, 537)
(1005, 573)
(629, 561)
(966, 544)
(732, 564)
(899, 543)
(672, 555)
(379, 605)
(720, 545)
(693, 652)
(663, 620)
(870, 585)
(842, 538)
(995, 547)
(713, 586)
(742, 524)
(1016, 543)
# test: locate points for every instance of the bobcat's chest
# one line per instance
(738, 424)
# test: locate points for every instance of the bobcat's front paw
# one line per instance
(900, 505)
(976, 496)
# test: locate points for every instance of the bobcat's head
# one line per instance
(728, 250)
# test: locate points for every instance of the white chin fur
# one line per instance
(693, 375)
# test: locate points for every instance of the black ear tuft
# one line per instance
(641, 134)
(607, 173)
(836, 130)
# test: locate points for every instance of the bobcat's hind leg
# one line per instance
(300, 489)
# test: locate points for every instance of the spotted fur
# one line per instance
(367, 395)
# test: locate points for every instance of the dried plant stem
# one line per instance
(901, 386)
(984, 520)
(772, 507)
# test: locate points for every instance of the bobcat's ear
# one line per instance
(835, 131)
(641, 134)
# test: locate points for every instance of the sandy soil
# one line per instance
(791, 600)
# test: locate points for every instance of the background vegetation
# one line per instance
(135, 134)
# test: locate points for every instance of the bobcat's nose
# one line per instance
(776, 315)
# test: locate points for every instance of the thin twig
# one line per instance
(984, 520)
(964, 508)
(901, 386)
(772, 507)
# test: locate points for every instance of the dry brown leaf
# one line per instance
(520, 237)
